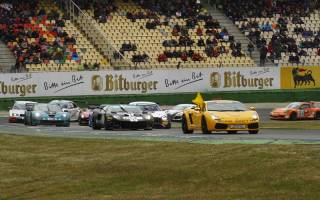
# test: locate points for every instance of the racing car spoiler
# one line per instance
(93, 106)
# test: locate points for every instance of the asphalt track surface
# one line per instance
(265, 136)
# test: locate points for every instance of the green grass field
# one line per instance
(304, 125)
(51, 168)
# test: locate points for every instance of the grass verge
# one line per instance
(302, 125)
(54, 168)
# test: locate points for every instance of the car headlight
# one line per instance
(14, 114)
(82, 115)
(215, 117)
(255, 116)
(148, 117)
(37, 114)
(64, 115)
(164, 117)
(116, 116)
(179, 114)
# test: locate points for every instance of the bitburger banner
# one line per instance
(138, 82)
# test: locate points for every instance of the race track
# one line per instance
(265, 136)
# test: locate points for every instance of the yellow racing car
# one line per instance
(220, 115)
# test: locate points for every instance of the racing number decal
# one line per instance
(304, 111)
(301, 113)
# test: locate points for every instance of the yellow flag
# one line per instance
(198, 101)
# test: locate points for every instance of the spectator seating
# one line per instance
(291, 39)
(120, 29)
(54, 44)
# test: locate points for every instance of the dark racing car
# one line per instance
(96, 110)
(121, 117)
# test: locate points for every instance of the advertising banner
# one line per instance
(137, 82)
(250, 78)
(300, 77)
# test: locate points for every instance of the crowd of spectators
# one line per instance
(141, 15)
(192, 13)
(126, 46)
(182, 55)
(181, 8)
(35, 37)
(282, 41)
(102, 9)
(239, 10)
(138, 58)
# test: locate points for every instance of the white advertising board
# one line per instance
(138, 82)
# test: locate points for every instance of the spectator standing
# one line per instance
(250, 48)
(263, 55)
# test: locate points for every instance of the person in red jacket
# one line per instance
(184, 56)
(162, 58)
(199, 31)
(197, 57)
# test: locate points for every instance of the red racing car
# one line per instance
(297, 110)
(84, 116)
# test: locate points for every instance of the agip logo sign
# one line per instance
(300, 77)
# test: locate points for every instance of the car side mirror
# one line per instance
(252, 108)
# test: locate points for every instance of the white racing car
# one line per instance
(160, 117)
(176, 112)
(17, 112)
(69, 106)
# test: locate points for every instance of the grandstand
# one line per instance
(100, 35)
(289, 29)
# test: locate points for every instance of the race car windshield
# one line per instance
(19, 106)
(131, 109)
(293, 105)
(47, 107)
(153, 107)
(54, 108)
(181, 107)
(232, 106)
(115, 109)
(61, 104)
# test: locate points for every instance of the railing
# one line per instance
(95, 34)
